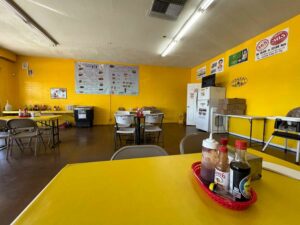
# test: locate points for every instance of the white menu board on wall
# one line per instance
(92, 78)
(124, 80)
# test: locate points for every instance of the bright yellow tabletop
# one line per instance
(37, 118)
(153, 191)
(42, 112)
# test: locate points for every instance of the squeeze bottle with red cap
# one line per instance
(224, 141)
(222, 168)
(240, 173)
(209, 160)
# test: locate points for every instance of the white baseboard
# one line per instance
(260, 140)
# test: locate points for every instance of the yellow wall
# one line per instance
(273, 83)
(163, 87)
(7, 55)
(8, 80)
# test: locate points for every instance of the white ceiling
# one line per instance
(122, 31)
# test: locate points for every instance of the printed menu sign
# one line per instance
(201, 72)
(217, 66)
(124, 80)
(239, 57)
(272, 45)
(92, 78)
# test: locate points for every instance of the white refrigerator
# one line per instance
(192, 98)
(207, 102)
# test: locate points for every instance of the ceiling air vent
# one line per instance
(167, 9)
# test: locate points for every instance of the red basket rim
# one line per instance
(227, 203)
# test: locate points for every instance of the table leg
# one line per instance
(138, 130)
(264, 131)
(250, 141)
(228, 120)
(53, 133)
(57, 126)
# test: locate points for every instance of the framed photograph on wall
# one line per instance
(58, 93)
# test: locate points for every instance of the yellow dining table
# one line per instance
(48, 121)
(155, 191)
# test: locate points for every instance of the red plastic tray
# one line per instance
(227, 203)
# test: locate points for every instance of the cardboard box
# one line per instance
(231, 112)
(232, 101)
(233, 106)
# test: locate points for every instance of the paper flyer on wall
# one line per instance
(238, 57)
(217, 66)
(124, 80)
(91, 78)
(272, 45)
(201, 72)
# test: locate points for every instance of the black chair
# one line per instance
(289, 128)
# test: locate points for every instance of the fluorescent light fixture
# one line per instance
(187, 25)
(168, 49)
(205, 4)
(12, 6)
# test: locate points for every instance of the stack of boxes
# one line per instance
(232, 106)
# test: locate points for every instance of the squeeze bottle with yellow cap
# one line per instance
(209, 160)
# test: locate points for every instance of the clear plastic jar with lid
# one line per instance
(209, 160)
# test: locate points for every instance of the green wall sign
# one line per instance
(239, 57)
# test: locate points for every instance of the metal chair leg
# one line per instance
(298, 152)
(158, 137)
(36, 146)
(120, 139)
(42, 140)
(8, 148)
(270, 139)
(285, 145)
(115, 140)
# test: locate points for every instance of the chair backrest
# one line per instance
(154, 118)
(288, 125)
(121, 112)
(192, 143)
(3, 125)
(16, 124)
(146, 112)
(124, 119)
(138, 151)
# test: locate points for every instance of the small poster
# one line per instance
(217, 66)
(272, 45)
(58, 93)
(239, 57)
(201, 72)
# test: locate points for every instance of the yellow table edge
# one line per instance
(42, 112)
(37, 118)
(265, 157)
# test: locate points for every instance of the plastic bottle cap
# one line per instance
(223, 148)
(224, 141)
(241, 144)
(210, 143)
(211, 186)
